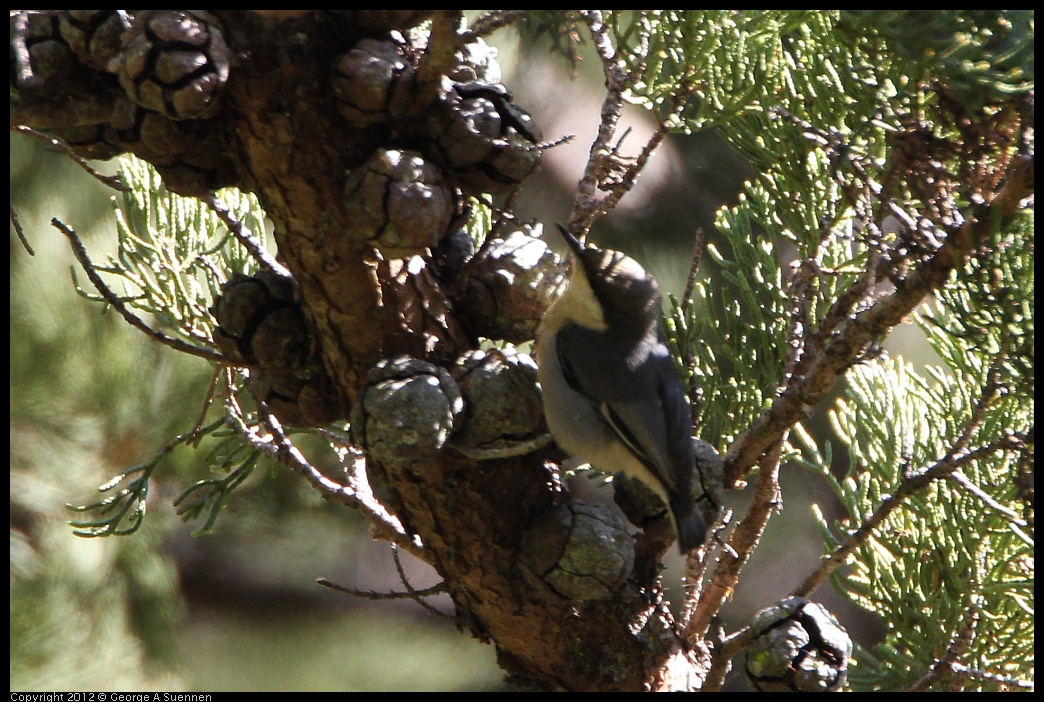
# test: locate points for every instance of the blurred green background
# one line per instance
(239, 609)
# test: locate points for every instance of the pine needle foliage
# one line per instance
(173, 254)
(825, 106)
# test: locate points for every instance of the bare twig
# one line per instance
(738, 642)
(695, 568)
(411, 594)
(208, 399)
(720, 665)
(611, 108)
(109, 181)
(606, 170)
(799, 319)
(20, 232)
(491, 22)
(552, 143)
(406, 581)
(120, 306)
(277, 446)
(742, 542)
(24, 77)
(688, 353)
(694, 266)
(250, 241)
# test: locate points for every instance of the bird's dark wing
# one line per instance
(638, 394)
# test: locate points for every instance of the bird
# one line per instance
(611, 394)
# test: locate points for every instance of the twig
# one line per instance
(250, 241)
(965, 634)
(738, 642)
(605, 169)
(552, 143)
(694, 265)
(1011, 515)
(721, 663)
(742, 542)
(277, 446)
(491, 22)
(989, 392)
(611, 107)
(855, 334)
(80, 252)
(406, 581)
(688, 353)
(208, 400)
(20, 232)
(411, 594)
(695, 569)
(109, 181)
(24, 77)
(800, 322)
(941, 469)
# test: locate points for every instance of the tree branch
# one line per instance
(965, 634)
(245, 237)
(606, 170)
(118, 304)
(491, 22)
(741, 543)
(108, 181)
(853, 336)
(20, 232)
(920, 480)
(277, 446)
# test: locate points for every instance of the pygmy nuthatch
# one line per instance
(611, 394)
